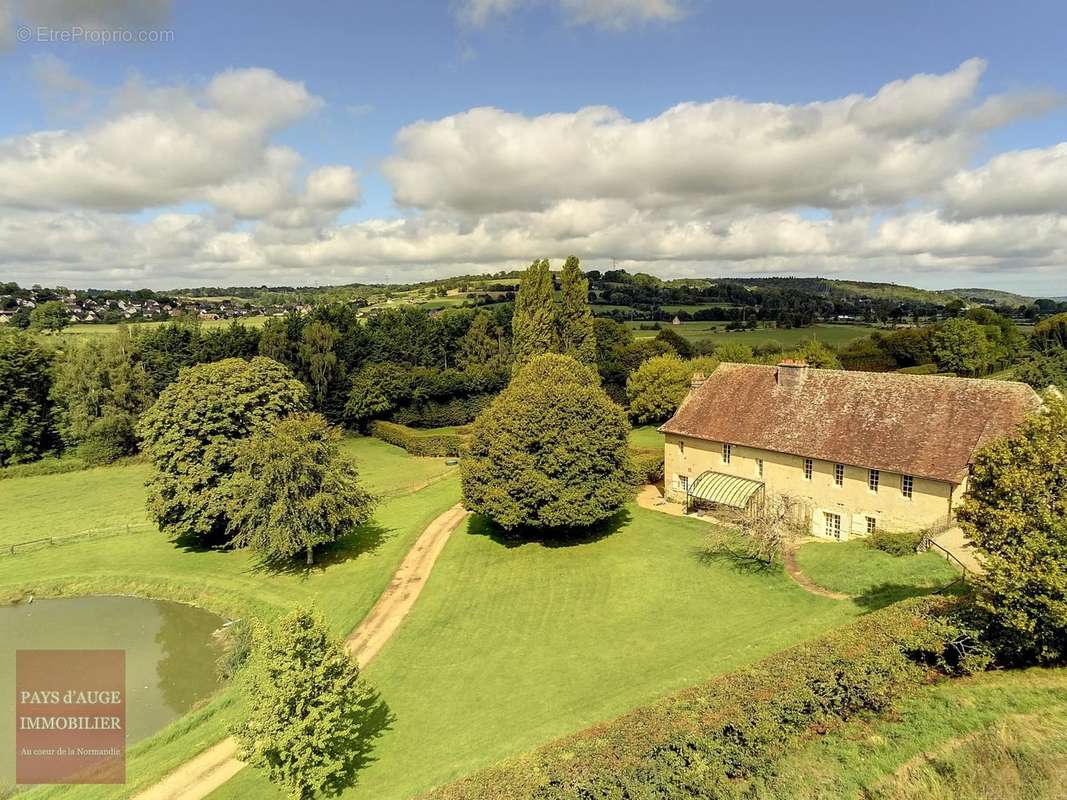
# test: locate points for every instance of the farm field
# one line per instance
(1000, 735)
(102, 329)
(714, 333)
(512, 645)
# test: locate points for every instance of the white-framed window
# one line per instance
(833, 525)
(683, 482)
(872, 524)
(907, 485)
(727, 451)
(809, 468)
(872, 479)
(839, 474)
(759, 467)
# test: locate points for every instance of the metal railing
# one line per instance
(927, 544)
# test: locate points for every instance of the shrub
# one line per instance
(647, 465)
(458, 411)
(896, 544)
(420, 443)
(921, 369)
(108, 439)
(706, 740)
(49, 465)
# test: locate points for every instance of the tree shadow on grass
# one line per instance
(375, 719)
(548, 537)
(364, 540)
(885, 594)
(735, 556)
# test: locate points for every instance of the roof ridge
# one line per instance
(893, 375)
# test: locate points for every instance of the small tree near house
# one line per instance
(772, 526)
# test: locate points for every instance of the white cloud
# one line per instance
(727, 153)
(614, 14)
(863, 186)
(166, 145)
(1019, 182)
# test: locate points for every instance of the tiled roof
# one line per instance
(920, 425)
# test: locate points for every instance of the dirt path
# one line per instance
(792, 569)
(396, 601)
(210, 769)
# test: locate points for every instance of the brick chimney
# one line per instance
(791, 373)
(697, 381)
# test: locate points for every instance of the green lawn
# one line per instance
(511, 646)
(343, 587)
(113, 497)
(646, 437)
(714, 332)
(998, 736)
(875, 578)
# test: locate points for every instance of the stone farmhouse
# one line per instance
(854, 451)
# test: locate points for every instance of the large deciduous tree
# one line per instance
(318, 357)
(307, 710)
(483, 344)
(26, 424)
(550, 451)
(294, 490)
(657, 387)
(100, 388)
(191, 435)
(533, 325)
(1016, 516)
(50, 317)
(961, 346)
(576, 337)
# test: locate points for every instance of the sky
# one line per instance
(176, 143)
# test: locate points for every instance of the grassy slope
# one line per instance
(509, 647)
(999, 736)
(112, 497)
(834, 335)
(874, 577)
(343, 587)
(646, 437)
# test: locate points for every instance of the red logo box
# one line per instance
(70, 716)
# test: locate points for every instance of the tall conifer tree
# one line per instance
(575, 319)
(533, 324)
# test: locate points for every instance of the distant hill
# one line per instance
(992, 296)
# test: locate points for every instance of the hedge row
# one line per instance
(647, 465)
(707, 740)
(434, 414)
(419, 443)
(903, 543)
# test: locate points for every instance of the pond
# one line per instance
(170, 656)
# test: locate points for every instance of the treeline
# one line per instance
(976, 344)
(407, 364)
